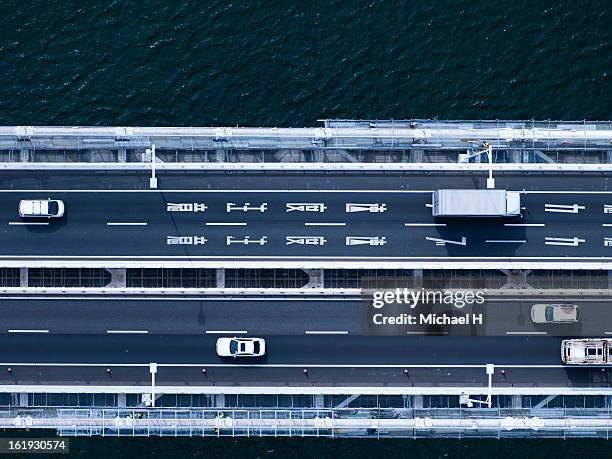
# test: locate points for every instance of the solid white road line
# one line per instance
(29, 223)
(424, 224)
(126, 224)
(326, 332)
(506, 241)
(28, 331)
(527, 333)
(524, 224)
(563, 208)
(426, 333)
(607, 224)
(237, 191)
(140, 332)
(324, 224)
(225, 332)
(608, 333)
(224, 224)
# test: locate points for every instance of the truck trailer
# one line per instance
(476, 203)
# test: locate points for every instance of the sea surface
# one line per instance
(290, 63)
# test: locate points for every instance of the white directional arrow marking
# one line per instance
(373, 208)
(563, 208)
(463, 241)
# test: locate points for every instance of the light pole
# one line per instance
(153, 179)
(465, 157)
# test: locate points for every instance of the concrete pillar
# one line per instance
(219, 400)
(517, 401)
(220, 277)
(221, 156)
(23, 399)
(417, 274)
(118, 277)
(23, 277)
(24, 155)
(516, 155)
(417, 401)
(315, 278)
(122, 155)
(319, 401)
(417, 156)
(609, 278)
(609, 156)
(121, 401)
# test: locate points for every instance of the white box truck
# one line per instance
(476, 203)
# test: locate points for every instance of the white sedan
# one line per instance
(554, 313)
(49, 208)
(241, 347)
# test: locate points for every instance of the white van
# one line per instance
(49, 208)
(554, 313)
(590, 351)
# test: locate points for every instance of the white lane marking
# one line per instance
(29, 223)
(428, 205)
(140, 332)
(508, 241)
(527, 333)
(305, 206)
(282, 257)
(366, 240)
(565, 241)
(324, 224)
(126, 224)
(426, 333)
(563, 208)
(607, 224)
(373, 208)
(28, 331)
(608, 333)
(326, 332)
(242, 191)
(224, 224)
(442, 242)
(181, 298)
(524, 224)
(226, 332)
(305, 240)
(424, 224)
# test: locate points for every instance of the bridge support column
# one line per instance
(122, 155)
(121, 400)
(417, 401)
(319, 401)
(315, 278)
(417, 274)
(609, 156)
(24, 155)
(23, 399)
(118, 277)
(517, 401)
(220, 277)
(417, 156)
(23, 277)
(609, 278)
(219, 400)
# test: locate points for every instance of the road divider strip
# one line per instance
(126, 224)
(324, 224)
(526, 333)
(424, 224)
(224, 224)
(29, 223)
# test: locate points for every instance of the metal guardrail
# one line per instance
(360, 422)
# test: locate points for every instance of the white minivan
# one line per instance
(554, 313)
(45, 208)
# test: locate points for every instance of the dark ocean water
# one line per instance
(289, 63)
(257, 62)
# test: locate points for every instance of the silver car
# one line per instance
(554, 313)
